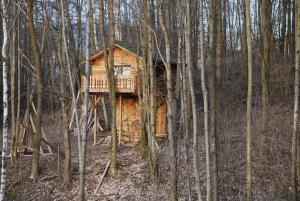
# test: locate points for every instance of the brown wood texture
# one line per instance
(125, 85)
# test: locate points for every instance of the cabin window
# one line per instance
(122, 70)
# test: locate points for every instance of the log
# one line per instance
(54, 149)
(100, 127)
(102, 177)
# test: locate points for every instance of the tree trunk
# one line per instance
(296, 106)
(38, 70)
(212, 94)
(64, 95)
(193, 97)
(5, 101)
(113, 167)
(283, 27)
(95, 25)
(205, 102)
(117, 19)
(217, 104)
(150, 98)
(18, 80)
(266, 13)
(181, 64)
(171, 101)
(86, 100)
(12, 87)
(249, 103)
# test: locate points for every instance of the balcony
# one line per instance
(123, 83)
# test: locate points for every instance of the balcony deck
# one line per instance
(123, 83)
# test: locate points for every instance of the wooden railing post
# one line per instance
(124, 83)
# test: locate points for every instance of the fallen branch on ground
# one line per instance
(102, 177)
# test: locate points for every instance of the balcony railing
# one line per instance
(99, 83)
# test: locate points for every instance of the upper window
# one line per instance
(122, 70)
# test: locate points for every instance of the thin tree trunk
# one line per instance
(217, 103)
(64, 94)
(82, 161)
(266, 15)
(212, 94)
(193, 97)
(5, 101)
(171, 102)
(38, 70)
(95, 25)
(140, 99)
(71, 82)
(283, 27)
(205, 101)
(296, 106)
(151, 99)
(18, 80)
(184, 94)
(110, 75)
(249, 103)
(12, 87)
(106, 118)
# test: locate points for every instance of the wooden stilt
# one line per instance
(120, 126)
(94, 100)
(95, 125)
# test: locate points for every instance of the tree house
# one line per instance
(127, 67)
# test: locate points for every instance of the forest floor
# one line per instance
(132, 182)
(271, 178)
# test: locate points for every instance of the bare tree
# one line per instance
(193, 97)
(64, 100)
(86, 100)
(201, 64)
(38, 71)
(296, 105)
(249, 103)
(150, 90)
(12, 86)
(171, 101)
(112, 93)
(5, 100)
(266, 33)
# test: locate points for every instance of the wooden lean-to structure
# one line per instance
(127, 67)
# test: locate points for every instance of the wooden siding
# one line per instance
(121, 57)
(130, 119)
(127, 107)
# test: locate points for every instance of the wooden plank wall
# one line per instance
(130, 112)
(130, 119)
(161, 118)
(121, 57)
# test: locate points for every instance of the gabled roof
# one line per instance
(132, 49)
(120, 44)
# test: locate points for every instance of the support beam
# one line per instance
(95, 125)
(120, 123)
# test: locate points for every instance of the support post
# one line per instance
(120, 126)
(95, 125)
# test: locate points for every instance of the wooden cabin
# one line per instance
(127, 68)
